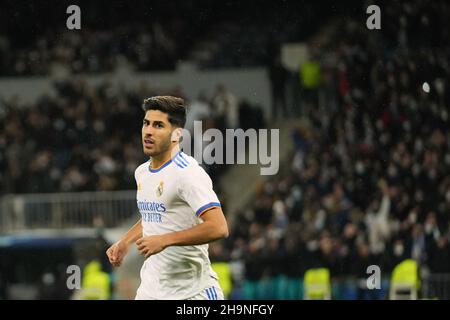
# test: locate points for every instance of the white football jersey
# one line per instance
(172, 198)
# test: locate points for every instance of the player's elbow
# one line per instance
(223, 231)
(218, 228)
(219, 231)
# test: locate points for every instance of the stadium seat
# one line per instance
(317, 284)
(405, 281)
(96, 283)
(224, 273)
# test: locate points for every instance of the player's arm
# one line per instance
(118, 250)
(214, 227)
(134, 233)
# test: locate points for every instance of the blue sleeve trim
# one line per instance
(207, 206)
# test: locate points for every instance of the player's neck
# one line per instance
(159, 160)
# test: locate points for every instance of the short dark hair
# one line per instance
(173, 106)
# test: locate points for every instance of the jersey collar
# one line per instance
(165, 164)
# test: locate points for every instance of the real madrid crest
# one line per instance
(160, 189)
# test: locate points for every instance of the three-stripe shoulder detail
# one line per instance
(181, 160)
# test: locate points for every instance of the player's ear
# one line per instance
(176, 135)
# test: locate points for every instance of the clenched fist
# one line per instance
(116, 253)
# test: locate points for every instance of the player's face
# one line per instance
(156, 133)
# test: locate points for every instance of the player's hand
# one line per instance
(116, 253)
(150, 245)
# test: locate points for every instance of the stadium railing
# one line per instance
(66, 210)
(436, 286)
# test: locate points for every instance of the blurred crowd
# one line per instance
(148, 36)
(88, 137)
(368, 182)
(112, 35)
(141, 47)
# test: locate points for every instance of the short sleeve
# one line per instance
(196, 189)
